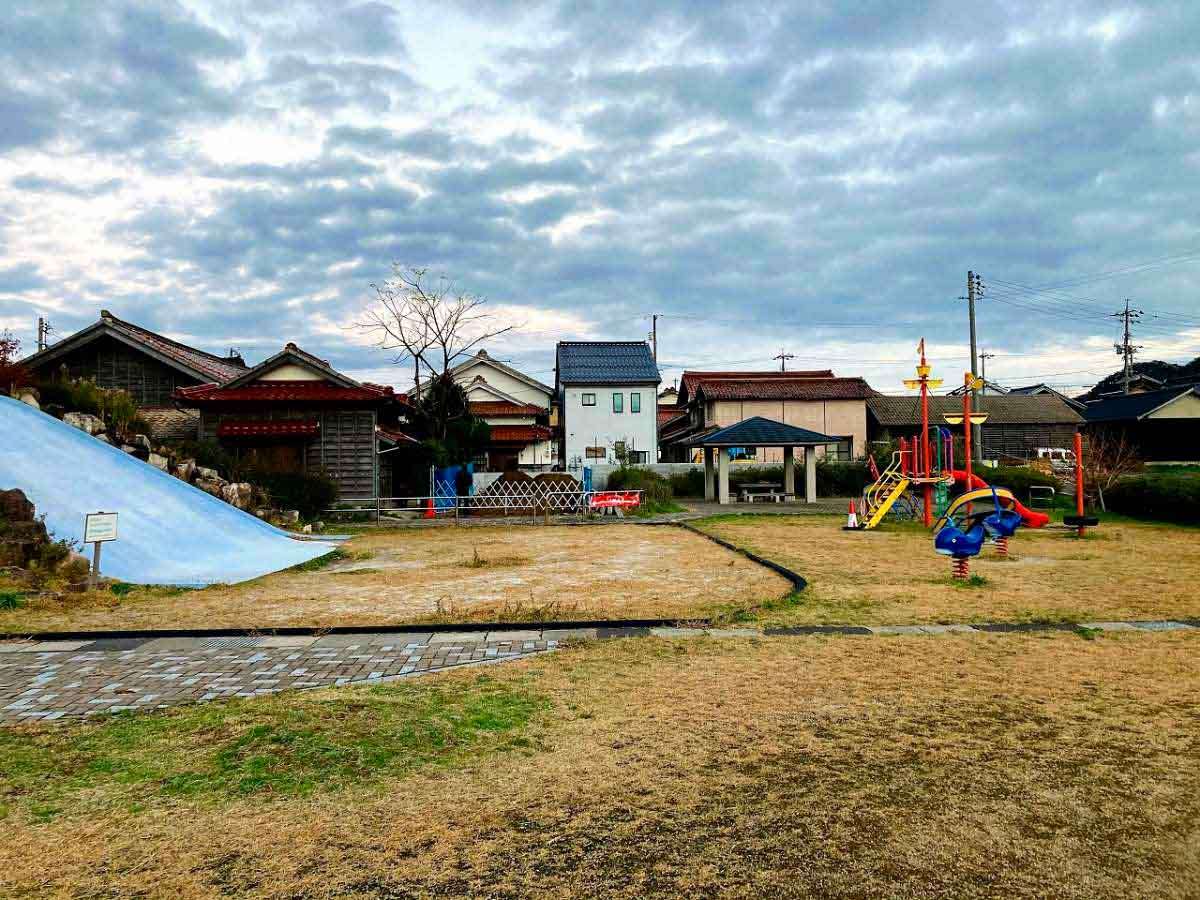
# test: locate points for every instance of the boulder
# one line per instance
(129, 448)
(210, 474)
(307, 529)
(159, 462)
(84, 422)
(212, 486)
(28, 396)
(15, 506)
(291, 516)
(185, 469)
(103, 437)
(143, 442)
(238, 493)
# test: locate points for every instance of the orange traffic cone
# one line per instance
(851, 519)
(429, 513)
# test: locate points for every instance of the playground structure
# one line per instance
(925, 464)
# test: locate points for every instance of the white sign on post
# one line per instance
(98, 527)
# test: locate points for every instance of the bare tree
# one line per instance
(428, 321)
(1110, 456)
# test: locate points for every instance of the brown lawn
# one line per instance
(957, 767)
(449, 574)
(892, 575)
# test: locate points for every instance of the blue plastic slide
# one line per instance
(168, 531)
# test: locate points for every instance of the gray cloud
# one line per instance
(771, 168)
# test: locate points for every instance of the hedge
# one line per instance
(1170, 498)
(1017, 479)
(834, 479)
(311, 494)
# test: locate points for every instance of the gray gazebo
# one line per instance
(760, 432)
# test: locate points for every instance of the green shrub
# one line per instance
(1171, 497)
(210, 455)
(118, 411)
(687, 484)
(841, 479)
(655, 488)
(1017, 479)
(310, 493)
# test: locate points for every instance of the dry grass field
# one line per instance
(448, 574)
(891, 575)
(957, 767)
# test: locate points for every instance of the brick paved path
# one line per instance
(51, 680)
(57, 679)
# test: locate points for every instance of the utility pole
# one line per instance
(783, 358)
(1126, 349)
(654, 337)
(974, 289)
(983, 358)
(43, 334)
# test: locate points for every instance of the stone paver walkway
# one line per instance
(50, 680)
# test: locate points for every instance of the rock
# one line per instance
(291, 516)
(159, 462)
(212, 486)
(318, 525)
(103, 437)
(210, 474)
(238, 493)
(263, 512)
(307, 529)
(84, 422)
(75, 567)
(140, 440)
(28, 396)
(185, 470)
(15, 506)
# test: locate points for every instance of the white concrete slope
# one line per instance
(169, 531)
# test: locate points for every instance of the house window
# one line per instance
(844, 449)
(596, 452)
(589, 399)
(639, 457)
(635, 403)
(618, 403)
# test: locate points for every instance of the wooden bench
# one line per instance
(773, 492)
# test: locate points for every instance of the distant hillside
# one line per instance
(1170, 373)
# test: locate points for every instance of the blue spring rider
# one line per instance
(1000, 524)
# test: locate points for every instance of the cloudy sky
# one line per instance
(816, 178)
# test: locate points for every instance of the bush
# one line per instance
(841, 479)
(310, 493)
(655, 488)
(1017, 479)
(1170, 498)
(210, 455)
(687, 484)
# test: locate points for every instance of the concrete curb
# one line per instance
(798, 581)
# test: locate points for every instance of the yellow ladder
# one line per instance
(879, 497)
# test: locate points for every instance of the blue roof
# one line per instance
(606, 362)
(1133, 406)
(760, 432)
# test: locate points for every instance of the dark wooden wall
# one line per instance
(1020, 441)
(112, 364)
(344, 449)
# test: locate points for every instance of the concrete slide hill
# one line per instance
(168, 531)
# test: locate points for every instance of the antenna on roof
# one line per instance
(783, 358)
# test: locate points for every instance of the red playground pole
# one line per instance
(1079, 479)
(967, 428)
(927, 488)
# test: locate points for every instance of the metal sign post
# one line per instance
(98, 527)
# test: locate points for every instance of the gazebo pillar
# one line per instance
(709, 489)
(789, 470)
(722, 475)
(810, 474)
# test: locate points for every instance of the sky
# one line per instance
(814, 179)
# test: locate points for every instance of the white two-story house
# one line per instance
(608, 402)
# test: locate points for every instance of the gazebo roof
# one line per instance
(760, 432)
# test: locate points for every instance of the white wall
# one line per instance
(503, 382)
(290, 372)
(599, 426)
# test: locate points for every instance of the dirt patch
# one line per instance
(464, 574)
(892, 576)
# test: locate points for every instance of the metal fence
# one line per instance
(522, 499)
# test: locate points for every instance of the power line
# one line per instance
(1126, 349)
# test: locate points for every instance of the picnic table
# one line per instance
(763, 490)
